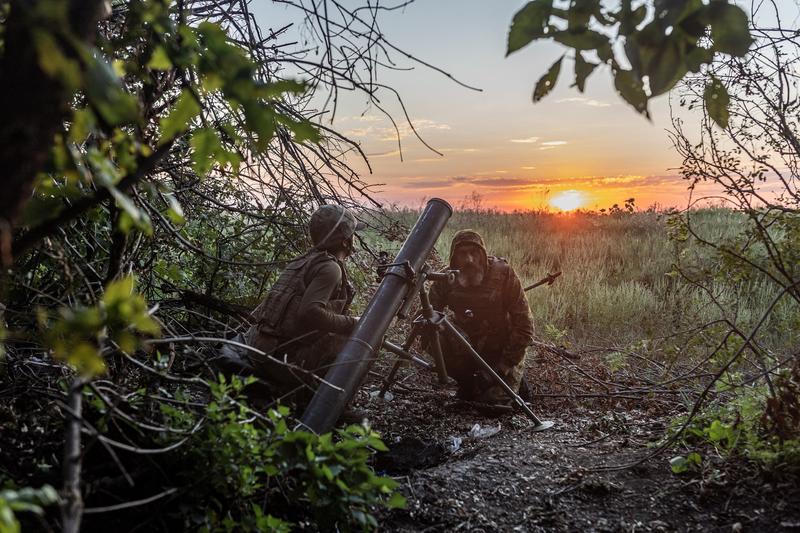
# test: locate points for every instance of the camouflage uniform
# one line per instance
(276, 323)
(494, 316)
(303, 320)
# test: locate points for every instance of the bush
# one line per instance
(751, 422)
(253, 473)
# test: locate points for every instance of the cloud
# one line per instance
(384, 154)
(528, 168)
(516, 183)
(358, 132)
(460, 150)
(427, 184)
(403, 130)
(549, 145)
(360, 118)
(609, 182)
(428, 160)
(585, 101)
(502, 182)
(491, 172)
(527, 140)
(474, 181)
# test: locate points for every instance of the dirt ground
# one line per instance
(458, 479)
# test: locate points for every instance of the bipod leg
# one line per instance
(431, 317)
(436, 353)
(540, 425)
(412, 336)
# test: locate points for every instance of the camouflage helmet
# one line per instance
(330, 224)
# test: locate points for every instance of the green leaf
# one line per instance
(629, 18)
(581, 40)
(54, 62)
(118, 291)
(159, 60)
(185, 109)
(83, 356)
(548, 81)
(697, 57)
(83, 122)
(138, 218)
(580, 11)
(303, 131)
(104, 90)
(260, 120)
(716, 99)
(205, 145)
(678, 464)
(583, 69)
(529, 23)
(718, 431)
(397, 501)
(664, 66)
(729, 28)
(40, 208)
(175, 211)
(630, 88)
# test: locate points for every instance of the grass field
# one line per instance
(616, 287)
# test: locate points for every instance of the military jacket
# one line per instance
(277, 316)
(494, 315)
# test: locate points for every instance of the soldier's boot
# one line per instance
(525, 390)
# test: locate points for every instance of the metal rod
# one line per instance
(435, 342)
(500, 381)
(389, 346)
(412, 336)
(549, 279)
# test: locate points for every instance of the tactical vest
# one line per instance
(479, 311)
(276, 316)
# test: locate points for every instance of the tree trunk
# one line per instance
(33, 105)
(72, 506)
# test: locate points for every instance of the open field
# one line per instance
(643, 361)
(619, 284)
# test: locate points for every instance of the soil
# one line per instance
(554, 480)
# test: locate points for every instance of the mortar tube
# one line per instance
(356, 356)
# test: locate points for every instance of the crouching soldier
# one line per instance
(490, 309)
(303, 322)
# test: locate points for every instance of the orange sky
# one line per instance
(496, 143)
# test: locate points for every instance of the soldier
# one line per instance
(490, 308)
(303, 320)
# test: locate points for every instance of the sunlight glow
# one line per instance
(568, 200)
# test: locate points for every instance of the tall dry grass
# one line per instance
(618, 286)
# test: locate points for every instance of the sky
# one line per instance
(571, 149)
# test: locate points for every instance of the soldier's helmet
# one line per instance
(330, 224)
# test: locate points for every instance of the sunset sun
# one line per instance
(568, 200)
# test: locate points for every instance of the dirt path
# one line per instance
(520, 480)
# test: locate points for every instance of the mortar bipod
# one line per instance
(428, 324)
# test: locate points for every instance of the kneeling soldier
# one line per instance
(489, 307)
(303, 320)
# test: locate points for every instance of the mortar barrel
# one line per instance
(356, 357)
